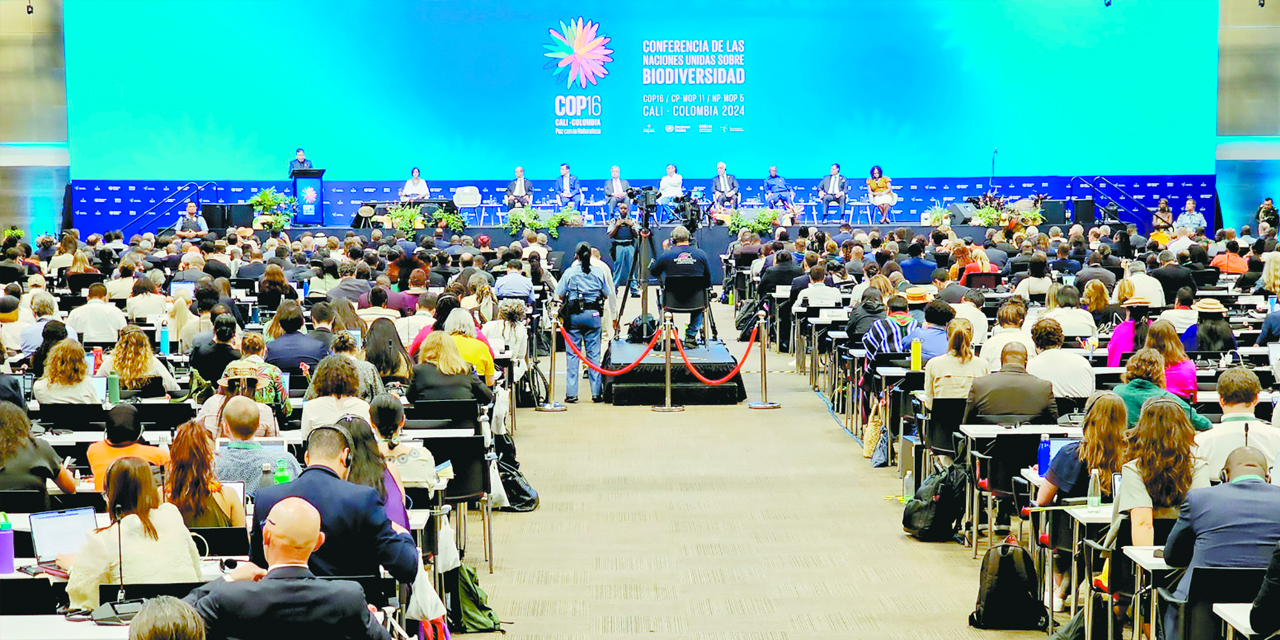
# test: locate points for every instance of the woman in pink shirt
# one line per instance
(1179, 370)
(1130, 334)
(444, 305)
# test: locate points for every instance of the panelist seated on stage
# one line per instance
(834, 188)
(671, 186)
(724, 189)
(299, 161)
(776, 191)
(191, 224)
(615, 190)
(567, 189)
(415, 188)
(519, 191)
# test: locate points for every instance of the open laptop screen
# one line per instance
(58, 532)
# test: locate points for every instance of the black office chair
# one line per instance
(996, 468)
(470, 483)
(1209, 586)
(942, 425)
(378, 591)
(442, 414)
(24, 501)
(28, 598)
(91, 499)
(688, 295)
(10, 273)
(221, 541)
(164, 416)
(982, 281)
(1068, 406)
(78, 282)
(1207, 277)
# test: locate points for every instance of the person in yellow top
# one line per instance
(123, 432)
(881, 193)
(462, 328)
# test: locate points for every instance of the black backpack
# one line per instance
(642, 329)
(931, 515)
(1007, 591)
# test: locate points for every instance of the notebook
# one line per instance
(57, 532)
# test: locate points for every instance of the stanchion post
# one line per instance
(551, 405)
(764, 368)
(668, 332)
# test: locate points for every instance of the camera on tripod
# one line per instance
(688, 210)
(646, 198)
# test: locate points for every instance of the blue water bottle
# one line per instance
(254, 315)
(306, 288)
(6, 544)
(1044, 454)
(164, 338)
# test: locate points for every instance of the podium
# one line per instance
(308, 188)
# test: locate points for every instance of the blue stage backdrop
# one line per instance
(226, 89)
(105, 205)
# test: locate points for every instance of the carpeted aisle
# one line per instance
(719, 522)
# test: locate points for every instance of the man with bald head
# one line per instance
(1233, 524)
(285, 599)
(1011, 394)
(242, 459)
(353, 517)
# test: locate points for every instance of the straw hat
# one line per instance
(1136, 301)
(238, 370)
(917, 295)
(1209, 305)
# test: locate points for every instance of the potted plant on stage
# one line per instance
(761, 223)
(273, 210)
(521, 218)
(406, 218)
(451, 219)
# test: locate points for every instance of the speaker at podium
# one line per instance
(308, 188)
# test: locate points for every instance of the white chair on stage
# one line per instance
(469, 198)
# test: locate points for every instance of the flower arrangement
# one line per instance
(998, 211)
(13, 231)
(761, 224)
(936, 215)
(268, 201)
(404, 217)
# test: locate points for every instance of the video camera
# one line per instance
(688, 210)
(646, 198)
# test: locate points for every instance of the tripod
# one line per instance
(646, 251)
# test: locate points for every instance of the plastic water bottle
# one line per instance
(254, 316)
(1043, 454)
(113, 387)
(916, 354)
(282, 472)
(164, 338)
(306, 288)
(1094, 497)
(6, 544)
(268, 478)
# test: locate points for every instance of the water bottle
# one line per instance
(268, 478)
(909, 483)
(164, 338)
(113, 387)
(306, 288)
(6, 544)
(97, 359)
(282, 472)
(254, 314)
(916, 354)
(1094, 497)
(1042, 456)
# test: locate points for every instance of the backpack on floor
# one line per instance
(931, 515)
(474, 615)
(747, 316)
(521, 496)
(1007, 591)
(642, 329)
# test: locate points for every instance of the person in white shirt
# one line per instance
(66, 377)
(1182, 242)
(337, 388)
(671, 186)
(818, 294)
(1182, 316)
(1075, 322)
(537, 244)
(970, 308)
(97, 320)
(1238, 390)
(35, 284)
(12, 322)
(120, 288)
(1144, 286)
(145, 302)
(415, 188)
(1038, 282)
(377, 308)
(1069, 373)
(1010, 319)
(409, 326)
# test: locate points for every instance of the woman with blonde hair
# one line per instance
(80, 264)
(137, 365)
(883, 285)
(980, 264)
(951, 374)
(1160, 468)
(1269, 283)
(462, 328)
(66, 378)
(443, 374)
(1096, 303)
(1179, 370)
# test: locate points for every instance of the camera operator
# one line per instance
(690, 265)
(624, 232)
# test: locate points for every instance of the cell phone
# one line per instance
(31, 570)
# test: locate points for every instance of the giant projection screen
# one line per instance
(226, 89)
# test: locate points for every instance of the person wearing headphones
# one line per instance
(122, 440)
(360, 537)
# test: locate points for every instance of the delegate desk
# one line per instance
(53, 627)
(1146, 563)
(1235, 614)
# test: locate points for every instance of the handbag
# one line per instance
(424, 602)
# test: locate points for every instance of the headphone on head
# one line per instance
(342, 431)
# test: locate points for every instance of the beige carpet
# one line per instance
(719, 522)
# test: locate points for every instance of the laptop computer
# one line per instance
(57, 532)
(1055, 445)
(100, 388)
(189, 287)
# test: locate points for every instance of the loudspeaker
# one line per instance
(215, 215)
(961, 212)
(1086, 212)
(239, 215)
(1054, 211)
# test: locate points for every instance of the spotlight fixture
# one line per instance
(30, 9)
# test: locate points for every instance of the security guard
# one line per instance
(584, 291)
(624, 234)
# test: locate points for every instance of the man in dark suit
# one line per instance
(286, 599)
(1095, 272)
(1172, 276)
(615, 190)
(290, 350)
(519, 191)
(1235, 524)
(349, 286)
(724, 189)
(1011, 394)
(353, 517)
(567, 189)
(253, 269)
(322, 321)
(997, 256)
(783, 272)
(834, 188)
(949, 290)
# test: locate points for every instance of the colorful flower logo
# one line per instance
(577, 48)
(309, 195)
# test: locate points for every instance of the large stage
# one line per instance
(713, 240)
(645, 383)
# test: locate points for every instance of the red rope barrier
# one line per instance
(688, 365)
(607, 372)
